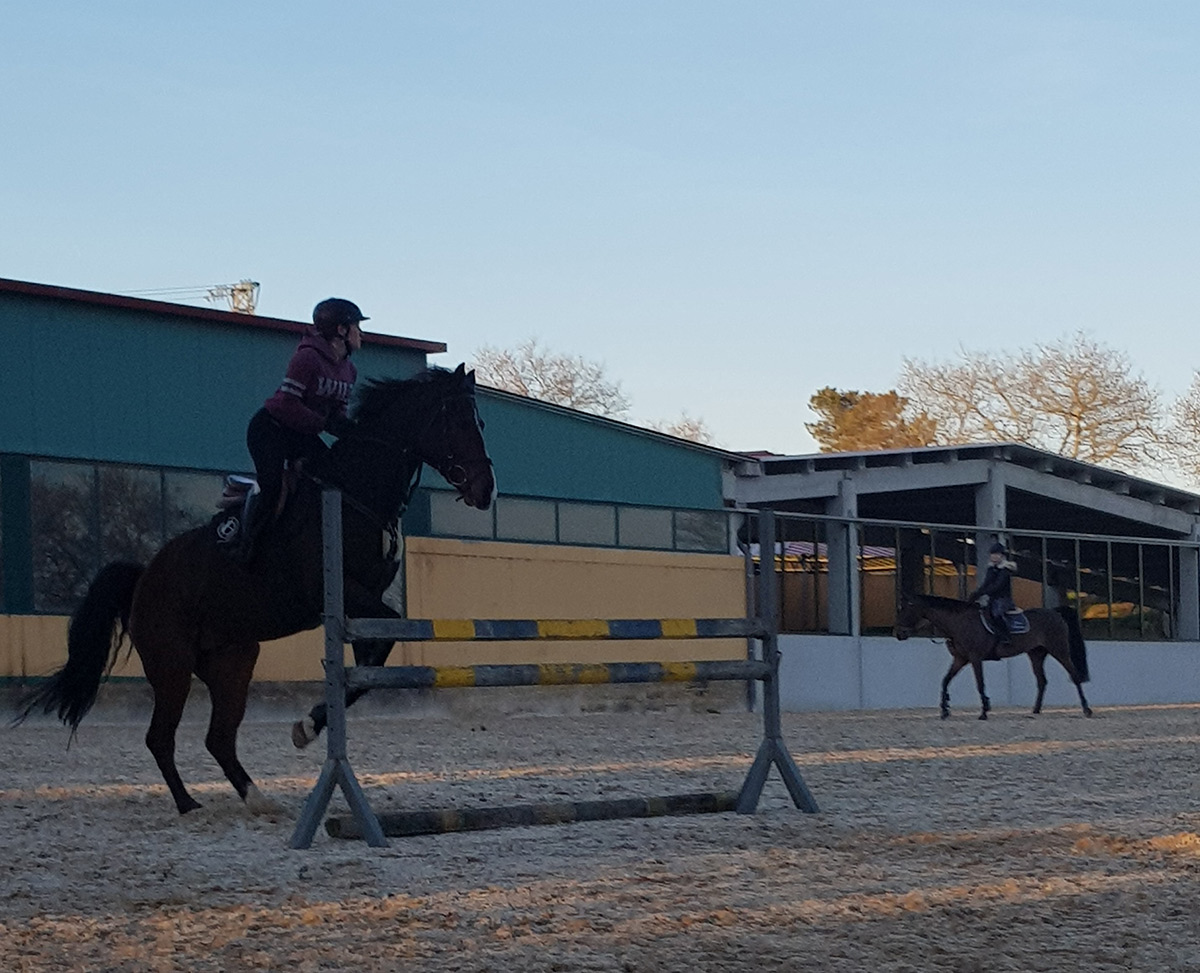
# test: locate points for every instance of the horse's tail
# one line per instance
(92, 647)
(1078, 650)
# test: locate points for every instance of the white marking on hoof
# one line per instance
(304, 732)
(259, 803)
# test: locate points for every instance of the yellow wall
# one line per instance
(487, 579)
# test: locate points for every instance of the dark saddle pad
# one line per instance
(1018, 622)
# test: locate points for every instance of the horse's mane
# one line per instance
(937, 601)
(380, 393)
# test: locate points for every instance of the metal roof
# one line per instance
(1015, 454)
(615, 424)
(229, 318)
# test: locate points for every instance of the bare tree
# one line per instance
(569, 380)
(1184, 431)
(686, 426)
(850, 420)
(1075, 397)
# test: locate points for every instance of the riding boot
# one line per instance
(252, 518)
(1002, 632)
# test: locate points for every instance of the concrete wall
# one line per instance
(844, 673)
(486, 579)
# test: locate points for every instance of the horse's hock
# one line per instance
(340, 681)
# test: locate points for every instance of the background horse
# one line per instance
(1052, 631)
(194, 609)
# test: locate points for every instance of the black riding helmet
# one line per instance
(334, 312)
(997, 548)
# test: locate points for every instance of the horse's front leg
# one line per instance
(367, 652)
(986, 704)
(1037, 659)
(956, 665)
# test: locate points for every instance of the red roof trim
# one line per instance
(201, 313)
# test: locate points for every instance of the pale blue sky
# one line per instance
(729, 204)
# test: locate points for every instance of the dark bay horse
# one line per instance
(194, 609)
(1052, 631)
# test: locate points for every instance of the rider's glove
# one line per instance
(338, 425)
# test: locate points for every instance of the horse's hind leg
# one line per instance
(171, 685)
(1037, 659)
(227, 672)
(956, 665)
(1064, 658)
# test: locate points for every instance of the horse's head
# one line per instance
(909, 617)
(435, 417)
(931, 614)
(452, 443)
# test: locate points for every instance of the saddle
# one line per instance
(1018, 621)
(238, 497)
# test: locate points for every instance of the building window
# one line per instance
(647, 527)
(189, 500)
(66, 555)
(587, 523)
(540, 520)
(525, 520)
(701, 530)
(450, 517)
(130, 514)
(83, 516)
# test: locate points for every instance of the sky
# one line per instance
(729, 205)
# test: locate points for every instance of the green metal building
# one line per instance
(121, 416)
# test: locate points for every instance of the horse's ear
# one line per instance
(461, 370)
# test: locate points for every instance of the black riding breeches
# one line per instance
(271, 445)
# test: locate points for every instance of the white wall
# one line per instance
(831, 672)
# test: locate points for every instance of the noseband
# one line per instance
(444, 459)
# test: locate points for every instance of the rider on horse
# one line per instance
(311, 399)
(997, 587)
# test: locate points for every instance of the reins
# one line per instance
(454, 472)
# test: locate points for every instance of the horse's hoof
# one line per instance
(304, 732)
(983, 716)
(945, 714)
(191, 805)
(258, 803)
(1087, 711)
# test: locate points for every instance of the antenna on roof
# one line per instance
(241, 297)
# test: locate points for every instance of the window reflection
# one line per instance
(130, 514)
(66, 552)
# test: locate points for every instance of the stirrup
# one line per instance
(237, 491)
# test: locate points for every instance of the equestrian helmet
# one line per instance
(334, 312)
(997, 548)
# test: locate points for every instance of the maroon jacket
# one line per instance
(316, 386)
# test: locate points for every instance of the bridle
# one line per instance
(921, 622)
(445, 459)
(431, 444)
